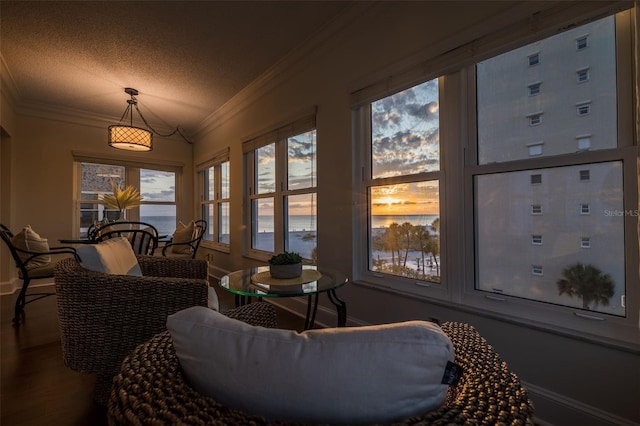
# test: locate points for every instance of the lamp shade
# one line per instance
(130, 138)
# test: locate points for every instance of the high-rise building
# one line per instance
(551, 98)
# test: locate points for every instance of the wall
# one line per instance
(42, 187)
(7, 128)
(572, 381)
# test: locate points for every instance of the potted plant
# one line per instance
(285, 265)
(121, 199)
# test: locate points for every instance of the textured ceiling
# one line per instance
(186, 58)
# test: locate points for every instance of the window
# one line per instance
(535, 119)
(581, 43)
(516, 211)
(535, 148)
(584, 142)
(215, 192)
(158, 206)
(499, 192)
(156, 186)
(536, 179)
(585, 175)
(583, 108)
(403, 184)
(282, 190)
(534, 89)
(582, 75)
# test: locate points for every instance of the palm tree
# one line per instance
(587, 282)
(435, 225)
(391, 241)
(421, 236)
(433, 247)
(406, 231)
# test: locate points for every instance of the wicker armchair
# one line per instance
(150, 389)
(104, 317)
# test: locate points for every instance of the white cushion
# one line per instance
(212, 300)
(183, 234)
(369, 374)
(28, 239)
(113, 256)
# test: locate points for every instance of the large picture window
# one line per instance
(157, 187)
(539, 217)
(591, 280)
(281, 176)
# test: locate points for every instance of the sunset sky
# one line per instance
(405, 141)
(405, 131)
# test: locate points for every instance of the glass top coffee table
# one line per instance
(257, 282)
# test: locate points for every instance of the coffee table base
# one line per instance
(312, 307)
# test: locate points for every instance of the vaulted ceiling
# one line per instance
(186, 58)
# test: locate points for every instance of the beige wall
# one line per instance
(7, 128)
(572, 381)
(42, 190)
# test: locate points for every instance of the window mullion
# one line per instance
(279, 196)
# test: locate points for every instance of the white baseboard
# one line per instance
(10, 287)
(554, 409)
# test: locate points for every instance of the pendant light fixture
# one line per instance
(132, 138)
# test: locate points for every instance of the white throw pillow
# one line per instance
(28, 239)
(113, 256)
(183, 234)
(372, 374)
(212, 300)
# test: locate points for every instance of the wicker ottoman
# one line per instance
(150, 389)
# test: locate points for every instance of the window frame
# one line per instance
(535, 88)
(562, 318)
(132, 177)
(582, 75)
(214, 165)
(362, 117)
(457, 288)
(278, 136)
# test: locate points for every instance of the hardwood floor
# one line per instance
(35, 386)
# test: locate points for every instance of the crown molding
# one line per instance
(53, 112)
(9, 89)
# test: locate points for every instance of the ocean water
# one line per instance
(308, 223)
(383, 221)
(165, 225)
(299, 225)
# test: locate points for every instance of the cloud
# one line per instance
(163, 195)
(301, 150)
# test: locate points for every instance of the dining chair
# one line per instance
(142, 236)
(189, 248)
(32, 264)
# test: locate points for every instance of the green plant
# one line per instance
(286, 258)
(588, 283)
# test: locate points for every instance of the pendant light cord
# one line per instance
(133, 101)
